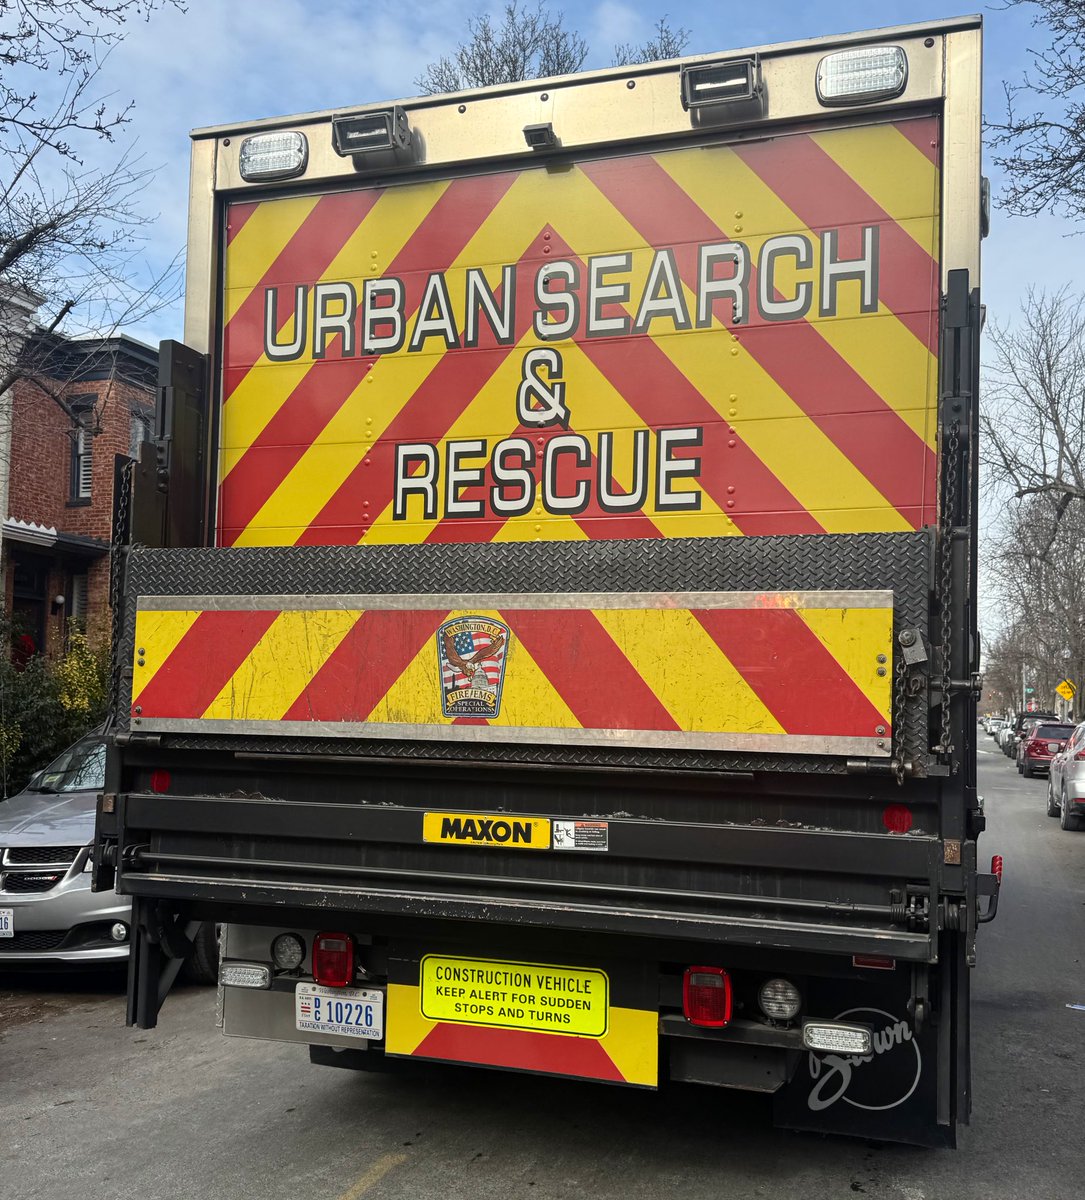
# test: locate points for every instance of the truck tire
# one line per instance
(1067, 820)
(202, 965)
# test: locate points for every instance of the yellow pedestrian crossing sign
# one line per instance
(1066, 689)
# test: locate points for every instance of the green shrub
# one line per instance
(46, 706)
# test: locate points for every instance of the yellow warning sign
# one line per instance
(481, 829)
(513, 995)
(1066, 690)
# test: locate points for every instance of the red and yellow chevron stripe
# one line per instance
(789, 672)
(627, 1053)
(746, 340)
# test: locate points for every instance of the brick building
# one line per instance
(60, 491)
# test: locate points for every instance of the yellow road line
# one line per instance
(374, 1175)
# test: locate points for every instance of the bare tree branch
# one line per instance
(1040, 142)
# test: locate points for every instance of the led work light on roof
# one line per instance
(371, 132)
(273, 156)
(862, 75)
(721, 85)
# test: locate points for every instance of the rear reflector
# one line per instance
(333, 959)
(873, 962)
(160, 781)
(834, 1038)
(706, 997)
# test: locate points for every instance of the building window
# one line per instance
(79, 599)
(139, 432)
(82, 469)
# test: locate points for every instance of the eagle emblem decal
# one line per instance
(472, 652)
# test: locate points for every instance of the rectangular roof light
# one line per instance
(862, 75)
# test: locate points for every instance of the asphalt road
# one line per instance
(93, 1111)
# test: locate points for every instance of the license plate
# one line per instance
(1054, 747)
(348, 1012)
(7, 922)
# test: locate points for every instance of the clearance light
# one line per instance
(333, 959)
(273, 156)
(245, 975)
(369, 132)
(735, 81)
(862, 75)
(706, 997)
(834, 1038)
(779, 999)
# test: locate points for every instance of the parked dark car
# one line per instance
(1039, 746)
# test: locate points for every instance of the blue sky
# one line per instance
(227, 60)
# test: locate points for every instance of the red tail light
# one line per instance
(333, 959)
(706, 997)
(1080, 756)
(996, 868)
(160, 781)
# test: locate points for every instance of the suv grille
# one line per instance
(37, 856)
(22, 882)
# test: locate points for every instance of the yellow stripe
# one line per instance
(281, 664)
(258, 243)
(632, 1044)
(661, 644)
(379, 238)
(896, 174)
(158, 634)
(855, 637)
(406, 1027)
(883, 351)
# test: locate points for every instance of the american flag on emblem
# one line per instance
(467, 644)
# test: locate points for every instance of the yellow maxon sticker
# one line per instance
(513, 995)
(479, 829)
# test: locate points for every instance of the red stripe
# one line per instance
(772, 649)
(760, 504)
(202, 663)
(236, 216)
(304, 259)
(825, 196)
(440, 237)
(363, 667)
(925, 134)
(824, 384)
(519, 1049)
(425, 416)
(585, 667)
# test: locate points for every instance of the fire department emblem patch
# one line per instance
(472, 652)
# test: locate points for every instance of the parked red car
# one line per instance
(1040, 746)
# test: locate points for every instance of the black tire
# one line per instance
(1052, 807)
(1020, 767)
(1067, 820)
(202, 965)
(1026, 770)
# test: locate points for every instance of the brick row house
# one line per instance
(61, 462)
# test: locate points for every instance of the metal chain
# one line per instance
(117, 562)
(897, 713)
(945, 745)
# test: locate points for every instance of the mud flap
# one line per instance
(890, 1095)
